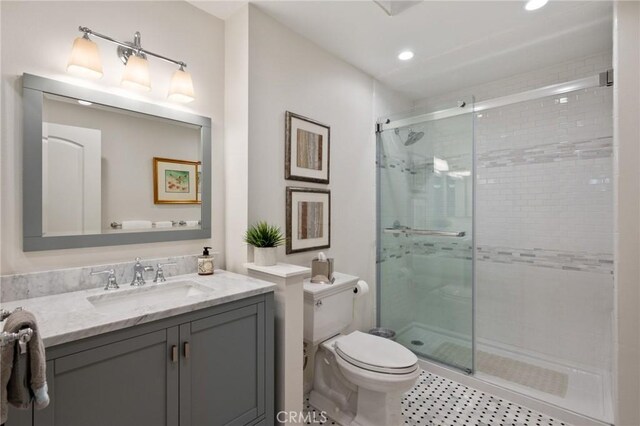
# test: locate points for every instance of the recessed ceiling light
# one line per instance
(535, 4)
(405, 55)
(81, 102)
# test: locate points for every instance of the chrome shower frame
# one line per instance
(603, 79)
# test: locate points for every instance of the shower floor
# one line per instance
(580, 390)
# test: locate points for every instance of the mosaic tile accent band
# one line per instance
(544, 153)
(548, 153)
(600, 263)
(414, 167)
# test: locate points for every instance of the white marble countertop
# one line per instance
(66, 317)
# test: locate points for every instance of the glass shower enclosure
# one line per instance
(495, 240)
(425, 255)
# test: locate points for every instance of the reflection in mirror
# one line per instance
(108, 170)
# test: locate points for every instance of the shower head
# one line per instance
(412, 137)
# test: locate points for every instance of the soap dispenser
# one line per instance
(205, 262)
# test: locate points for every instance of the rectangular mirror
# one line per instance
(102, 169)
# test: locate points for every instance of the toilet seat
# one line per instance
(375, 354)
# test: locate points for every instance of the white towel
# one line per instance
(192, 222)
(136, 224)
(163, 224)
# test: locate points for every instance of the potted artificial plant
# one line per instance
(264, 238)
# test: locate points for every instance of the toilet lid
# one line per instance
(375, 353)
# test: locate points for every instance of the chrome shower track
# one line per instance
(599, 80)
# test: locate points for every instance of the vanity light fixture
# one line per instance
(85, 61)
(85, 58)
(181, 87)
(136, 74)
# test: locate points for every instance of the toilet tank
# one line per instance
(328, 308)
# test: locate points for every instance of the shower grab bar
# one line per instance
(429, 232)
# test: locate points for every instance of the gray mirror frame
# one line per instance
(33, 89)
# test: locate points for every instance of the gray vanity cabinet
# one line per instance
(222, 374)
(19, 417)
(211, 367)
(131, 382)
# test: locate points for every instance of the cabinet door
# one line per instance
(132, 382)
(17, 417)
(222, 371)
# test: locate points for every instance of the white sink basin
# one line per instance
(148, 295)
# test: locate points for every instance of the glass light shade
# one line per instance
(136, 74)
(85, 59)
(181, 88)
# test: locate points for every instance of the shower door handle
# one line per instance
(425, 232)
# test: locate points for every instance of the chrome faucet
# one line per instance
(138, 273)
(112, 284)
(160, 278)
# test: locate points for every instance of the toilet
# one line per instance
(358, 379)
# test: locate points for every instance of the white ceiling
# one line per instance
(457, 44)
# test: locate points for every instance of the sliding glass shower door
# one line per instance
(425, 250)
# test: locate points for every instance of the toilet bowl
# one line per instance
(358, 379)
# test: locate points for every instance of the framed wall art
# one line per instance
(308, 219)
(175, 181)
(306, 149)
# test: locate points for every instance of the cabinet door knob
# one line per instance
(187, 350)
(174, 354)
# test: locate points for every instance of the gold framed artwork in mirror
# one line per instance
(306, 149)
(175, 181)
(198, 182)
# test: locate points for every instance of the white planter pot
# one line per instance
(264, 256)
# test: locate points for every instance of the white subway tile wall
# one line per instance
(544, 194)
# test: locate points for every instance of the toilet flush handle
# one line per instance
(318, 303)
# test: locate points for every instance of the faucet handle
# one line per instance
(112, 283)
(141, 266)
(160, 271)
